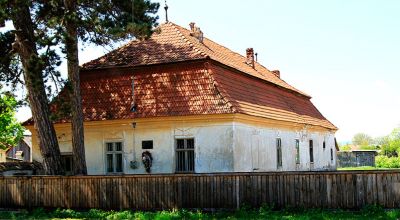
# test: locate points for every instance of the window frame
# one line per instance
(147, 141)
(63, 161)
(185, 150)
(297, 146)
(114, 152)
(311, 150)
(279, 161)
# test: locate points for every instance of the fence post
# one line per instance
(237, 186)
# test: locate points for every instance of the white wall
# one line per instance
(220, 146)
(264, 156)
(213, 141)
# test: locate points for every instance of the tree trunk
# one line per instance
(26, 48)
(71, 46)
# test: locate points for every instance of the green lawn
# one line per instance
(370, 212)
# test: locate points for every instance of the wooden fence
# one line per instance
(229, 190)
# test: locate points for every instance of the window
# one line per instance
(279, 152)
(185, 155)
(297, 151)
(311, 151)
(114, 157)
(331, 154)
(147, 144)
(323, 145)
(67, 162)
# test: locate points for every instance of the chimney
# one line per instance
(191, 27)
(277, 73)
(196, 32)
(250, 57)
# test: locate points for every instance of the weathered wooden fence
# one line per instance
(229, 190)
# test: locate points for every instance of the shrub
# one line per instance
(387, 162)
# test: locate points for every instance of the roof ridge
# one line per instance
(196, 49)
(228, 49)
(262, 71)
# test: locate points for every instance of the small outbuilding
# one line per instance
(356, 158)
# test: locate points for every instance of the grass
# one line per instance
(265, 212)
(364, 168)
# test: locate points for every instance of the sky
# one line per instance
(344, 53)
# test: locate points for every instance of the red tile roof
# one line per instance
(173, 43)
(168, 91)
(194, 79)
(256, 98)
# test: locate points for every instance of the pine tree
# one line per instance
(93, 22)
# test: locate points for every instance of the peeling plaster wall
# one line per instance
(213, 141)
(255, 149)
(220, 146)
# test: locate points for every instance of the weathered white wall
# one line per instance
(255, 149)
(220, 146)
(213, 141)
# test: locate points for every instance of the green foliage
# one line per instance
(391, 147)
(358, 168)
(102, 21)
(362, 139)
(346, 147)
(369, 147)
(97, 22)
(387, 162)
(368, 212)
(10, 130)
(373, 210)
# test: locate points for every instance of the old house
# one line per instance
(20, 152)
(195, 106)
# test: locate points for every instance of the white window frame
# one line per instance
(279, 161)
(114, 152)
(297, 147)
(185, 149)
(311, 150)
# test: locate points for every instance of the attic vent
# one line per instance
(196, 32)
(277, 73)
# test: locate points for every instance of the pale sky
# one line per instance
(344, 53)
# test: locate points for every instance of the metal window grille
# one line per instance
(114, 157)
(279, 152)
(311, 151)
(297, 151)
(185, 155)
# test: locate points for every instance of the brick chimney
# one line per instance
(250, 57)
(277, 73)
(191, 25)
(196, 32)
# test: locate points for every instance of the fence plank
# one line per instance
(350, 189)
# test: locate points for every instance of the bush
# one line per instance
(368, 147)
(345, 148)
(387, 162)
